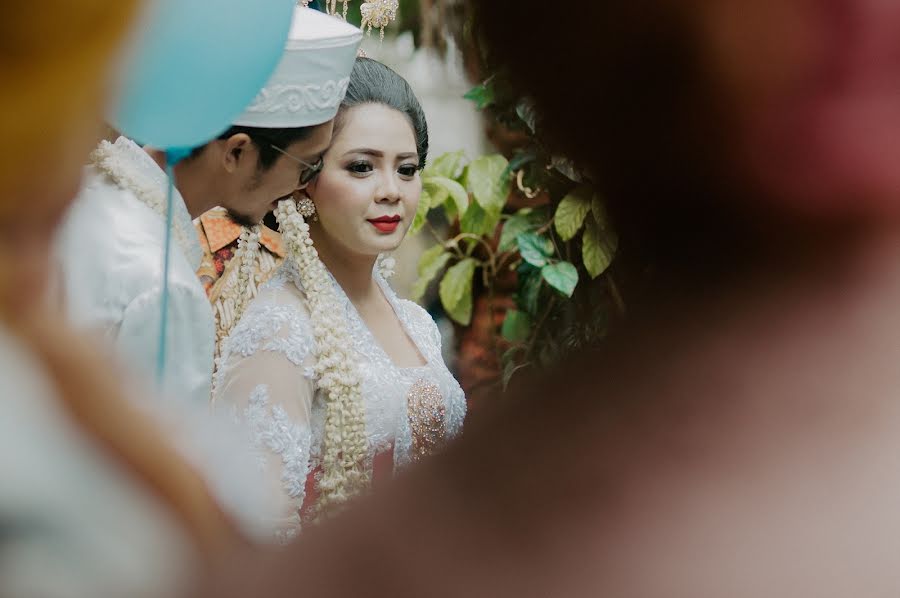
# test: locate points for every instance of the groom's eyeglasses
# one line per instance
(308, 173)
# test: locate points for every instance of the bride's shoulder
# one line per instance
(413, 314)
(283, 288)
(285, 278)
(278, 318)
(419, 320)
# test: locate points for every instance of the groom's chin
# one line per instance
(243, 219)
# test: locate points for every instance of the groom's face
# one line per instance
(260, 189)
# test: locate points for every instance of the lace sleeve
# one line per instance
(265, 380)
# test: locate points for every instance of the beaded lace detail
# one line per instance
(276, 325)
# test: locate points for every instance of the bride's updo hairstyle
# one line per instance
(373, 83)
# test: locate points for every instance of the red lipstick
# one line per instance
(386, 224)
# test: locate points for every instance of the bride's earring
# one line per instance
(385, 265)
(307, 208)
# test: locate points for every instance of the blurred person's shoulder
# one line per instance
(66, 506)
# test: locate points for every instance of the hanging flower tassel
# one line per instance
(331, 7)
(346, 471)
(385, 265)
(379, 14)
(247, 255)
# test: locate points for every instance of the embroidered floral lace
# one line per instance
(265, 377)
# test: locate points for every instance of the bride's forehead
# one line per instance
(376, 126)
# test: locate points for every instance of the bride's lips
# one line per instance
(386, 224)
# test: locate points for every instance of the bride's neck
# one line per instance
(352, 271)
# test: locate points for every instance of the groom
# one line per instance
(111, 245)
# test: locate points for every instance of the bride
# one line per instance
(340, 382)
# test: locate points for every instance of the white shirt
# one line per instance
(110, 252)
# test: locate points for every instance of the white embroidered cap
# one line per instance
(312, 77)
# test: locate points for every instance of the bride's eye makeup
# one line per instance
(360, 167)
(408, 170)
(364, 167)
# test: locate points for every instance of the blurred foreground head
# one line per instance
(55, 58)
(707, 122)
(740, 445)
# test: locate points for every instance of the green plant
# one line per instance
(533, 216)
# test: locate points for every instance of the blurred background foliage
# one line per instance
(514, 243)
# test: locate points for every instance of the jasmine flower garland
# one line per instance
(346, 472)
(246, 255)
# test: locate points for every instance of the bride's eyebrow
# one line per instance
(379, 154)
(366, 151)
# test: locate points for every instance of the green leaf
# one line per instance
(450, 212)
(430, 265)
(562, 276)
(516, 326)
(571, 212)
(535, 249)
(429, 257)
(566, 167)
(510, 363)
(426, 201)
(509, 370)
(525, 220)
(598, 210)
(446, 165)
(482, 95)
(485, 179)
(437, 194)
(456, 291)
(448, 188)
(477, 221)
(529, 292)
(525, 111)
(520, 222)
(598, 247)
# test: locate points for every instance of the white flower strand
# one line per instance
(345, 449)
(247, 256)
(108, 159)
(385, 265)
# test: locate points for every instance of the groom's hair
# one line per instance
(264, 139)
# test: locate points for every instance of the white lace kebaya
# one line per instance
(278, 374)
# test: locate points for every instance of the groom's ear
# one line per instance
(236, 152)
